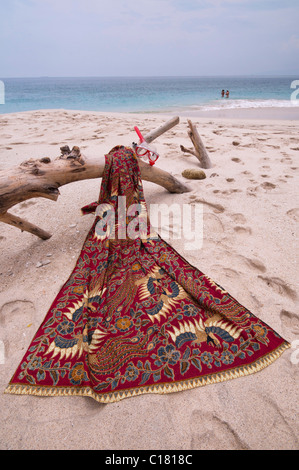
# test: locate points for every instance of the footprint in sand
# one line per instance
(254, 263)
(218, 208)
(287, 176)
(293, 213)
(279, 286)
(212, 224)
(231, 273)
(210, 432)
(280, 430)
(16, 319)
(290, 321)
(227, 192)
(17, 312)
(235, 190)
(276, 147)
(242, 230)
(217, 132)
(26, 204)
(239, 218)
(268, 186)
(251, 191)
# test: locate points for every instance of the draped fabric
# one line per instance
(135, 317)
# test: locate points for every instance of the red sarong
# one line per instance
(135, 317)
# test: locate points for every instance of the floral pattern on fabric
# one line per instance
(135, 317)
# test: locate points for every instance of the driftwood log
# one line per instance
(199, 150)
(160, 130)
(43, 177)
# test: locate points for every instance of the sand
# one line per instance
(250, 213)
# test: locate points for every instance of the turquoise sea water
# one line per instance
(148, 94)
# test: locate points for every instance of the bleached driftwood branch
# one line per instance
(199, 150)
(42, 178)
(160, 130)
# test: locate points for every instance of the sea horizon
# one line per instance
(200, 95)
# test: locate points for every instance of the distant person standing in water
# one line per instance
(227, 94)
(222, 93)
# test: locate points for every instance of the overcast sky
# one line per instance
(148, 37)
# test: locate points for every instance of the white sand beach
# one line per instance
(250, 204)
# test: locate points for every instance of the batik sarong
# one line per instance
(135, 317)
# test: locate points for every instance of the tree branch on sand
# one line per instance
(43, 177)
(199, 150)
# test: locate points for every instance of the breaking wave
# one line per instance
(247, 104)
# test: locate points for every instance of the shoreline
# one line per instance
(265, 114)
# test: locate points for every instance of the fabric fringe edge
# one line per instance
(112, 397)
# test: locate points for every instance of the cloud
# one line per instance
(148, 37)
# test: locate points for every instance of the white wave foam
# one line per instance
(246, 104)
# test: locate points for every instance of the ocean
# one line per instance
(147, 94)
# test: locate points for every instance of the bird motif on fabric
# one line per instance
(83, 342)
(209, 331)
(88, 339)
(146, 285)
(87, 300)
(169, 296)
